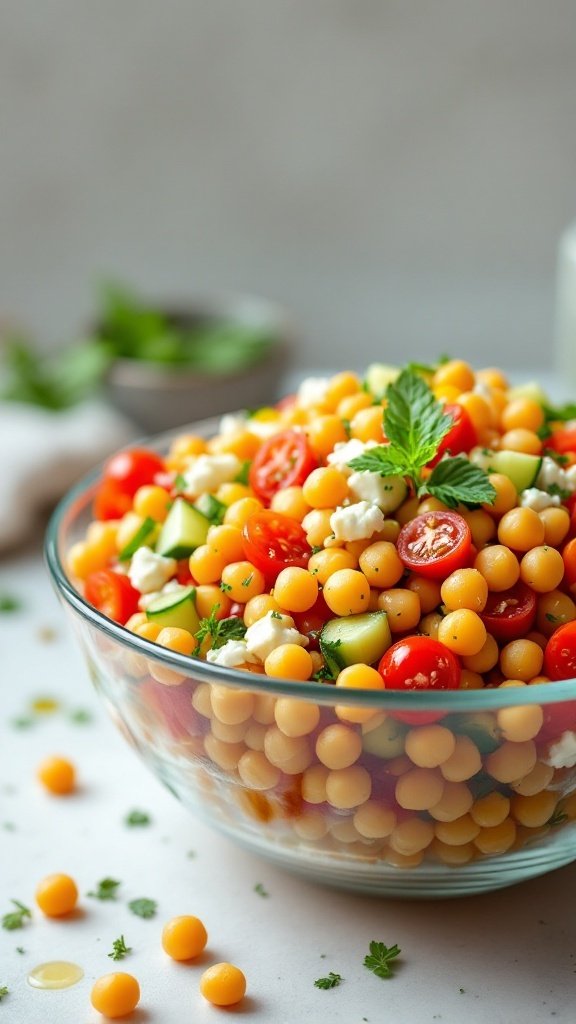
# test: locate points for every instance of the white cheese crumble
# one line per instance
(208, 472)
(356, 522)
(233, 422)
(149, 571)
(232, 654)
(562, 754)
(385, 491)
(312, 391)
(268, 633)
(551, 474)
(147, 599)
(538, 500)
(345, 451)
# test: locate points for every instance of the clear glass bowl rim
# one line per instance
(76, 500)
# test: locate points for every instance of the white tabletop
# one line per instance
(507, 957)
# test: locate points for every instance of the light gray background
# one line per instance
(395, 172)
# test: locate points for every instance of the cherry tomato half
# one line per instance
(510, 614)
(284, 460)
(435, 544)
(563, 439)
(461, 437)
(112, 594)
(560, 653)
(419, 663)
(272, 541)
(123, 474)
(569, 558)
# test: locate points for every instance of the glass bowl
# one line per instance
(446, 794)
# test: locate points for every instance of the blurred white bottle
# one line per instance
(565, 319)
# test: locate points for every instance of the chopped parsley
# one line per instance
(137, 818)
(9, 603)
(275, 615)
(219, 630)
(378, 960)
(80, 716)
(15, 918)
(552, 618)
(248, 580)
(119, 949)
(332, 980)
(4, 990)
(106, 889)
(21, 950)
(143, 907)
(225, 587)
(415, 424)
(259, 888)
(558, 818)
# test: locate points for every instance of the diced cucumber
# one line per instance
(378, 377)
(210, 507)
(520, 468)
(175, 608)
(142, 536)
(480, 726)
(355, 639)
(386, 740)
(531, 389)
(185, 530)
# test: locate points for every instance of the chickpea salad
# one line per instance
(412, 530)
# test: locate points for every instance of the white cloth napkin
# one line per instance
(44, 453)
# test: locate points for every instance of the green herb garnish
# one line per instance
(243, 476)
(137, 818)
(557, 818)
(21, 950)
(220, 630)
(378, 960)
(15, 918)
(259, 888)
(107, 889)
(225, 587)
(119, 949)
(4, 990)
(331, 981)
(248, 580)
(9, 603)
(415, 424)
(80, 716)
(143, 907)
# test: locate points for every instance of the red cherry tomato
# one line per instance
(310, 623)
(272, 541)
(560, 653)
(284, 460)
(558, 718)
(461, 437)
(123, 474)
(112, 594)
(419, 663)
(110, 502)
(563, 439)
(435, 544)
(569, 558)
(510, 614)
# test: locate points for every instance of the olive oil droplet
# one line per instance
(55, 974)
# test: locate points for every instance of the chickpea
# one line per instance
(506, 495)
(554, 609)
(522, 412)
(316, 525)
(296, 589)
(455, 372)
(521, 529)
(326, 562)
(57, 775)
(347, 592)
(556, 525)
(521, 659)
(115, 995)
(242, 580)
(381, 564)
(465, 588)
(367, 424)
(57, 895)
(325, 487)
(521, 440)
(324, 433)
(428, 592)
(542, 569)
(289, 661)
(486, 658)
(482, 526)
(290, 501)
(184, 938)
(463, 632)
(499, 567)
(402, 608)
(338, 746)
(223, 984)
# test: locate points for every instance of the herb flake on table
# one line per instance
(106, 889)
(119, 949)
(80, 716)
(137, 819)
(332, 980)
(16, 918)
(9, 603)
(260, 890)
(4, 990)
(143, 907)
(21, 950)
(379, 959)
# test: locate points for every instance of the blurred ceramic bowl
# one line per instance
(159, 396)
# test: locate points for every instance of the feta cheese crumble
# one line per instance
(208, 472)
(385, 491)
(266, 634)
(149, 571)
(562, 753)
(233, 422)
(356, 522)
(538, 500)
(551, 474)
(345, 451)
(312, 391)
(232, 654)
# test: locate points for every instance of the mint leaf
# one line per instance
(143, 907)
(383, 459)
(414, 420)
(455, 480)
(378, 960)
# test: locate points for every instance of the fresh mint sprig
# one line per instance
(415, 424)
